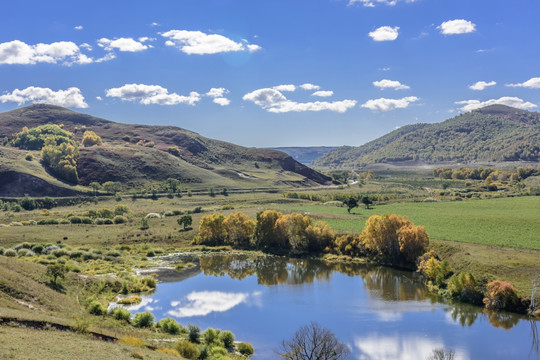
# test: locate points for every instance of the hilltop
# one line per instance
(305, 154)
(137, 155)
(494, 134)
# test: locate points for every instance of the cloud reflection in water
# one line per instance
(408, 347)
(202, 303)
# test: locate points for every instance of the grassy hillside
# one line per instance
(495, 133)
(138, 154)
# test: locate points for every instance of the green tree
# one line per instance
(27, 203)
(56, 272)
(185, 220)
(366, 201)
(351, 204)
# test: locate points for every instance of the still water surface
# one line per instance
(379, 312)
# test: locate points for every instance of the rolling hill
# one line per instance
(140, 154)
(494, 134)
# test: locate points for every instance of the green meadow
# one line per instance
(509, 222)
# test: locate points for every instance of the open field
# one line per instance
(508, 222)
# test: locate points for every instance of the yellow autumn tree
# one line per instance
(90, 138)
(394, 237)
(211, 230)
(240, 229)
(291, 231)
(319, 236)
(265, 231)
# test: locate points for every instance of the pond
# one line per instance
(379, 312)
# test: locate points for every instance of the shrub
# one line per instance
(95, 308)
(119, 219)
(169, 326)
(75, 220)
(169, 351)
(2, 250)
(144, 224)
(114, 253)
(193, 333)
(28, 203)
(245, 349)
(10, 253)
(153, 216)
(228, 338)
(210, 335)
(29, 157)
(25, 252)
(105, 213)
(48, 203)
(49, 249)
(132, 340)
(137, 355)
(24, 245)
(187, 349)
(86, 220)
(37, 248)
(500, 296)
(121, 209)
(90, 138)
(144, 319)
(463, 287)
(48, 222)
(60, 252)
(132, 300)
(121, 314)
(75, 254)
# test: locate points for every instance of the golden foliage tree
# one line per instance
(211, 230)
(291, 231)
(500, 295)
(90, 138)
(265, 232)
(394, 237)
(61, 159)
(240, 229)
(319, 236)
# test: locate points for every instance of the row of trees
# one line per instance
(487, 174)
(389, 237)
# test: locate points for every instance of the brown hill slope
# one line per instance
(200, 161)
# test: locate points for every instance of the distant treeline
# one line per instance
(486, 174)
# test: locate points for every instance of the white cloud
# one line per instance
(288, 87)
(383, 104)
(384, 69)
(310, 87)
(458, 26)
(323, 93)
(199, 43)
(18, 52)
(154, 24)
(385, 33)
(71, 97)
(151, 94)
(222, 101)
(146, 38)
(469, 105)
(481, 85)
(219, 96)
(372, 3)
(99, 98)
(203, 303)
(274, 101)
(78, 27)
(86, 46)
(122, 44)
(532, 83)
(390, 84)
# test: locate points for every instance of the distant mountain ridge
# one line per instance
(199, 161)
(496, 133)
(305, 154)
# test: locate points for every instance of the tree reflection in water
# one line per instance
(384, 283)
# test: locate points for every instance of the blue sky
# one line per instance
(272, 72)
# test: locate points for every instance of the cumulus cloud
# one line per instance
(71, 97)
(469, 105)
(458, 26)
(323, 93)
(274, 101)
(78, 27)
(390, 84)
(310, 87)
(199, 43)
(86, 46)
(383, 104)
(282, 88)
(18, 52)
(373, 3)
(385, 33)
(481, 85)
(532, 83)
(151, 94)
(218, 95)
(154, 24)
(122, 44)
